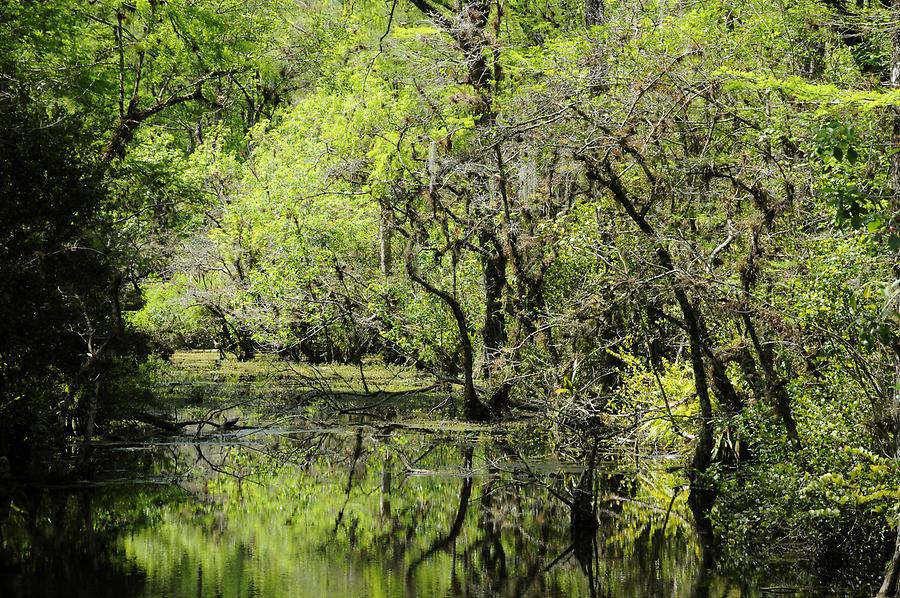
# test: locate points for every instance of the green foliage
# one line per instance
(597, 222)
(52, 289)
(169, 319)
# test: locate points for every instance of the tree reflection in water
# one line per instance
(360, 511)
(52, 545)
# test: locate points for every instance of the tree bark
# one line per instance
(93, 405)
(475, 409)
(95, 356)
(469, 28)
(889, 588)
(774, 385)
(494, 331)
(594, 13)
(385, 255)
(703, 452)
(134, 115)
(692, 321)
(895, 196)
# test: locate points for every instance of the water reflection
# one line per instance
(53, 544)
(357, 512)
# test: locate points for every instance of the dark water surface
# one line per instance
(361, 511)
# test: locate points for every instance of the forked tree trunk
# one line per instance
(470, 29)
(703, 451)
(774, 384)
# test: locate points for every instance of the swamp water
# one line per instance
(366, 508)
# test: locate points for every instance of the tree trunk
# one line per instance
(722, 387)
(692, 321)
(703, 452)
(774, 384)
(890, 588)
(475, 409)
(89, 368)
(386, 258)
(470, 30)
(895, 195)
(594, 13)
(494, 331)
(93, 405)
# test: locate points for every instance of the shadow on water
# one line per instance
(359, 511)
(700, 501)
(62, 549)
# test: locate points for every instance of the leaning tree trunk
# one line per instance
(689, 311)
(895, 200)
(475, 409)
(470, 28)
(774, 384)
(703, 451)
